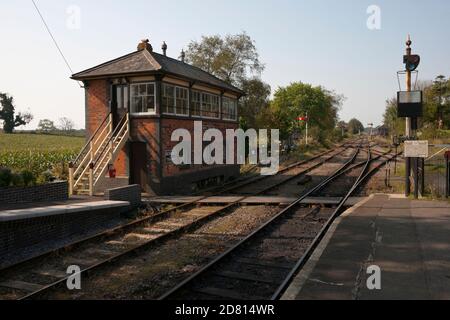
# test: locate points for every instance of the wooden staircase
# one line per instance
(102, 150)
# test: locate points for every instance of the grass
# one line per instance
(36, 152)
(39, 142)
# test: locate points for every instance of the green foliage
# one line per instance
(436, 112)
(37, 153)
(7, 114)
(252, 106)
(298, 99)
(28, 178)
(231, 58)
(46, 126)
(5, 177)
(355, 126)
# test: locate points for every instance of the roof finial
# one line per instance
(145, 44)
(164, 48)
(183, 55)
(408, 41)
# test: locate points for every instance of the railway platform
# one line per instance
(407, 240)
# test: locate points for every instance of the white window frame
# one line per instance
(200, 101)
(175, 87)
(131, 98)
(201, 105)
(225, 116)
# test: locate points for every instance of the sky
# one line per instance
(322, 42)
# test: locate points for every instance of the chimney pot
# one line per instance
(182, 56)
(164, 48)
(145, 45)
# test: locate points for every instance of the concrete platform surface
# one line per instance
(408, 240)
(29, 213)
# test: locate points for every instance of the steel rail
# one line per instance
(365, 174)
(175, 232)
(157, 217)
(281, 214)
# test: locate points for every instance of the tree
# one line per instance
(439, 89)
(231, 58)
(46, 125)
(355, 126)
(66, 124)
(254, 103)
(299, 98)
(7, 114)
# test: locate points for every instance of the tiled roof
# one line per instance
(144, 61)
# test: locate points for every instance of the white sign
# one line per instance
(416, 149)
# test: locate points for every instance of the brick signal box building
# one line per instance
(133, 104)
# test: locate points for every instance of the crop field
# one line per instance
(37, 153)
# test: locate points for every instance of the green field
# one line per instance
(36, 152)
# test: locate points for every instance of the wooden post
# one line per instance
(91, 179)
(71, 183)
(92, 151)
(111, 125)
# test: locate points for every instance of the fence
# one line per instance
(436, 178)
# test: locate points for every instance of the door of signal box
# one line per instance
(119, 103)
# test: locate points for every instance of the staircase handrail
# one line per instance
(88, 144)
(118, 128)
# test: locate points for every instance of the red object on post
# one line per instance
(112, 171)
(447, 155)
(302, 118)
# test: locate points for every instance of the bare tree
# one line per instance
(66, 124)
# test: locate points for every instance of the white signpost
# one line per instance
(416, 149)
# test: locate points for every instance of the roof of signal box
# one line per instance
(146, 61)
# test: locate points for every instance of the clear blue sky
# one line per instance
(320, 42)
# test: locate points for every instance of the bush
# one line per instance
(28, 178)
(17, 180)
(5, 177)
(45, 177)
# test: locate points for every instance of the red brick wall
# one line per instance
(146, 130)
(97, 110)
(97, 104)
(169, 125)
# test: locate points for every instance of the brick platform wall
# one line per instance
(132, 194)
(20, 234)
(57, 191)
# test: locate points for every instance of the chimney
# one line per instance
(145, 45)
(164, 48)
(182, 56)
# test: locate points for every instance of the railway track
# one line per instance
(36, 277)
(263, 264)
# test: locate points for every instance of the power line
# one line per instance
(54, 40)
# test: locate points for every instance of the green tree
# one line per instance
(299, 99)
(355, 126)
(7, 114)
(439, 90)
(254, 103)
(46, 126)
(394, 124)
(231, 58)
